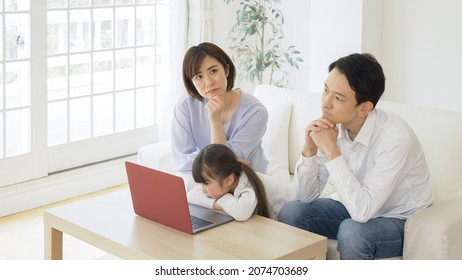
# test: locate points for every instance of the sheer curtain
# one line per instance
(200, 21)
(177, 47)
(190, 24)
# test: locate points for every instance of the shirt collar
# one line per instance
(365, 133)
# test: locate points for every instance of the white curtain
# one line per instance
(190, 24)
(177, 47)
(200, 22)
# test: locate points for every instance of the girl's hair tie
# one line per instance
(239, 166)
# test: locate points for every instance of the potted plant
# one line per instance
(256, 43)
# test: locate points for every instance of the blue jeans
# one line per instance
(376, 239)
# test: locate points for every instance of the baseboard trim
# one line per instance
(63, 185)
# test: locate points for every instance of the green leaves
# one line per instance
(291, 56)
(256, 38)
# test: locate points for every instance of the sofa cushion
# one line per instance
(276, 146)
(306, 107)
(276, 139)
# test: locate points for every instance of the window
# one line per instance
(80, 81)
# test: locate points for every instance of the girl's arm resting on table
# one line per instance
(242, 207)
(196, 196)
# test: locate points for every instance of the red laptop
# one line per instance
(161, 197)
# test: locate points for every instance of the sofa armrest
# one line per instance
(436, 232)
(157, 155)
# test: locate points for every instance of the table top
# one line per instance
(109, 223)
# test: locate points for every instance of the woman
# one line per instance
(215, 113)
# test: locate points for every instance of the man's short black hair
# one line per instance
(364, 74)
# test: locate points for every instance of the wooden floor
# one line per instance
(22, 235)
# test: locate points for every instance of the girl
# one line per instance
(227, 184)
(214, 112)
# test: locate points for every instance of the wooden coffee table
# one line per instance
(109, 223)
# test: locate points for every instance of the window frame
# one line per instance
(43, 159)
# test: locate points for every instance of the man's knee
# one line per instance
(349, 229)
(289, 212)
(351, 244)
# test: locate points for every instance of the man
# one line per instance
(371, 158)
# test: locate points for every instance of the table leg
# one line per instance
(53, 243)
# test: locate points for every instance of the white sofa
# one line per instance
(435, 233)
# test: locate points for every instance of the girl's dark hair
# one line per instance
(217, 161)
(192, 62)
(364, 74)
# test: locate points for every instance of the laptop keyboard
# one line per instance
(198, 222)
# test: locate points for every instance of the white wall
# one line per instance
(335, 32)
(418, 42)
(423, 52)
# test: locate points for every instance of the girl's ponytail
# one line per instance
(263, 208)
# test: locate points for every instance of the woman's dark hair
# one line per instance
(364, 74)
(192, 62)
(217, 161)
